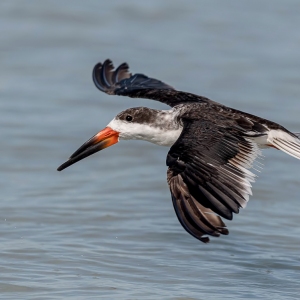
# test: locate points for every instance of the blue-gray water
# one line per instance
(105, 228)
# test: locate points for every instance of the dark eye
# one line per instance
(128, 118)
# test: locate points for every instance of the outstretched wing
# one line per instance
(121, 82)
(208, 176)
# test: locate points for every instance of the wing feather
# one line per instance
(122, 82)
(209, 177)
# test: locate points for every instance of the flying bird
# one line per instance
(213, 147)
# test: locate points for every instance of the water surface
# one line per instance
(105, 228)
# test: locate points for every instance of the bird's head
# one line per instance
(140, 123)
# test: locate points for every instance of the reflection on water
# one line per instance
(106, 226)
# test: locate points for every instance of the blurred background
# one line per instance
(105, 228)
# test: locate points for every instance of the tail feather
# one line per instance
(288, 143)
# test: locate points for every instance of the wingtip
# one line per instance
(205, 239)
(106, 77)
(108, 63)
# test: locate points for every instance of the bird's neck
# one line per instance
(160, 136)
(163, 130)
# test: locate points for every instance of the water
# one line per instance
(105, 228)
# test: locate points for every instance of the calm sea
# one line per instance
(105, 228)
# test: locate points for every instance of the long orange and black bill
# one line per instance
(103, 139)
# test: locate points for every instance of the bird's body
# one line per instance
(212, 146)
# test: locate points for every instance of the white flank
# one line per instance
(285, 142)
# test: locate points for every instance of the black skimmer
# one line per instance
(212, 146)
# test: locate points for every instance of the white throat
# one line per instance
(163, 136)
